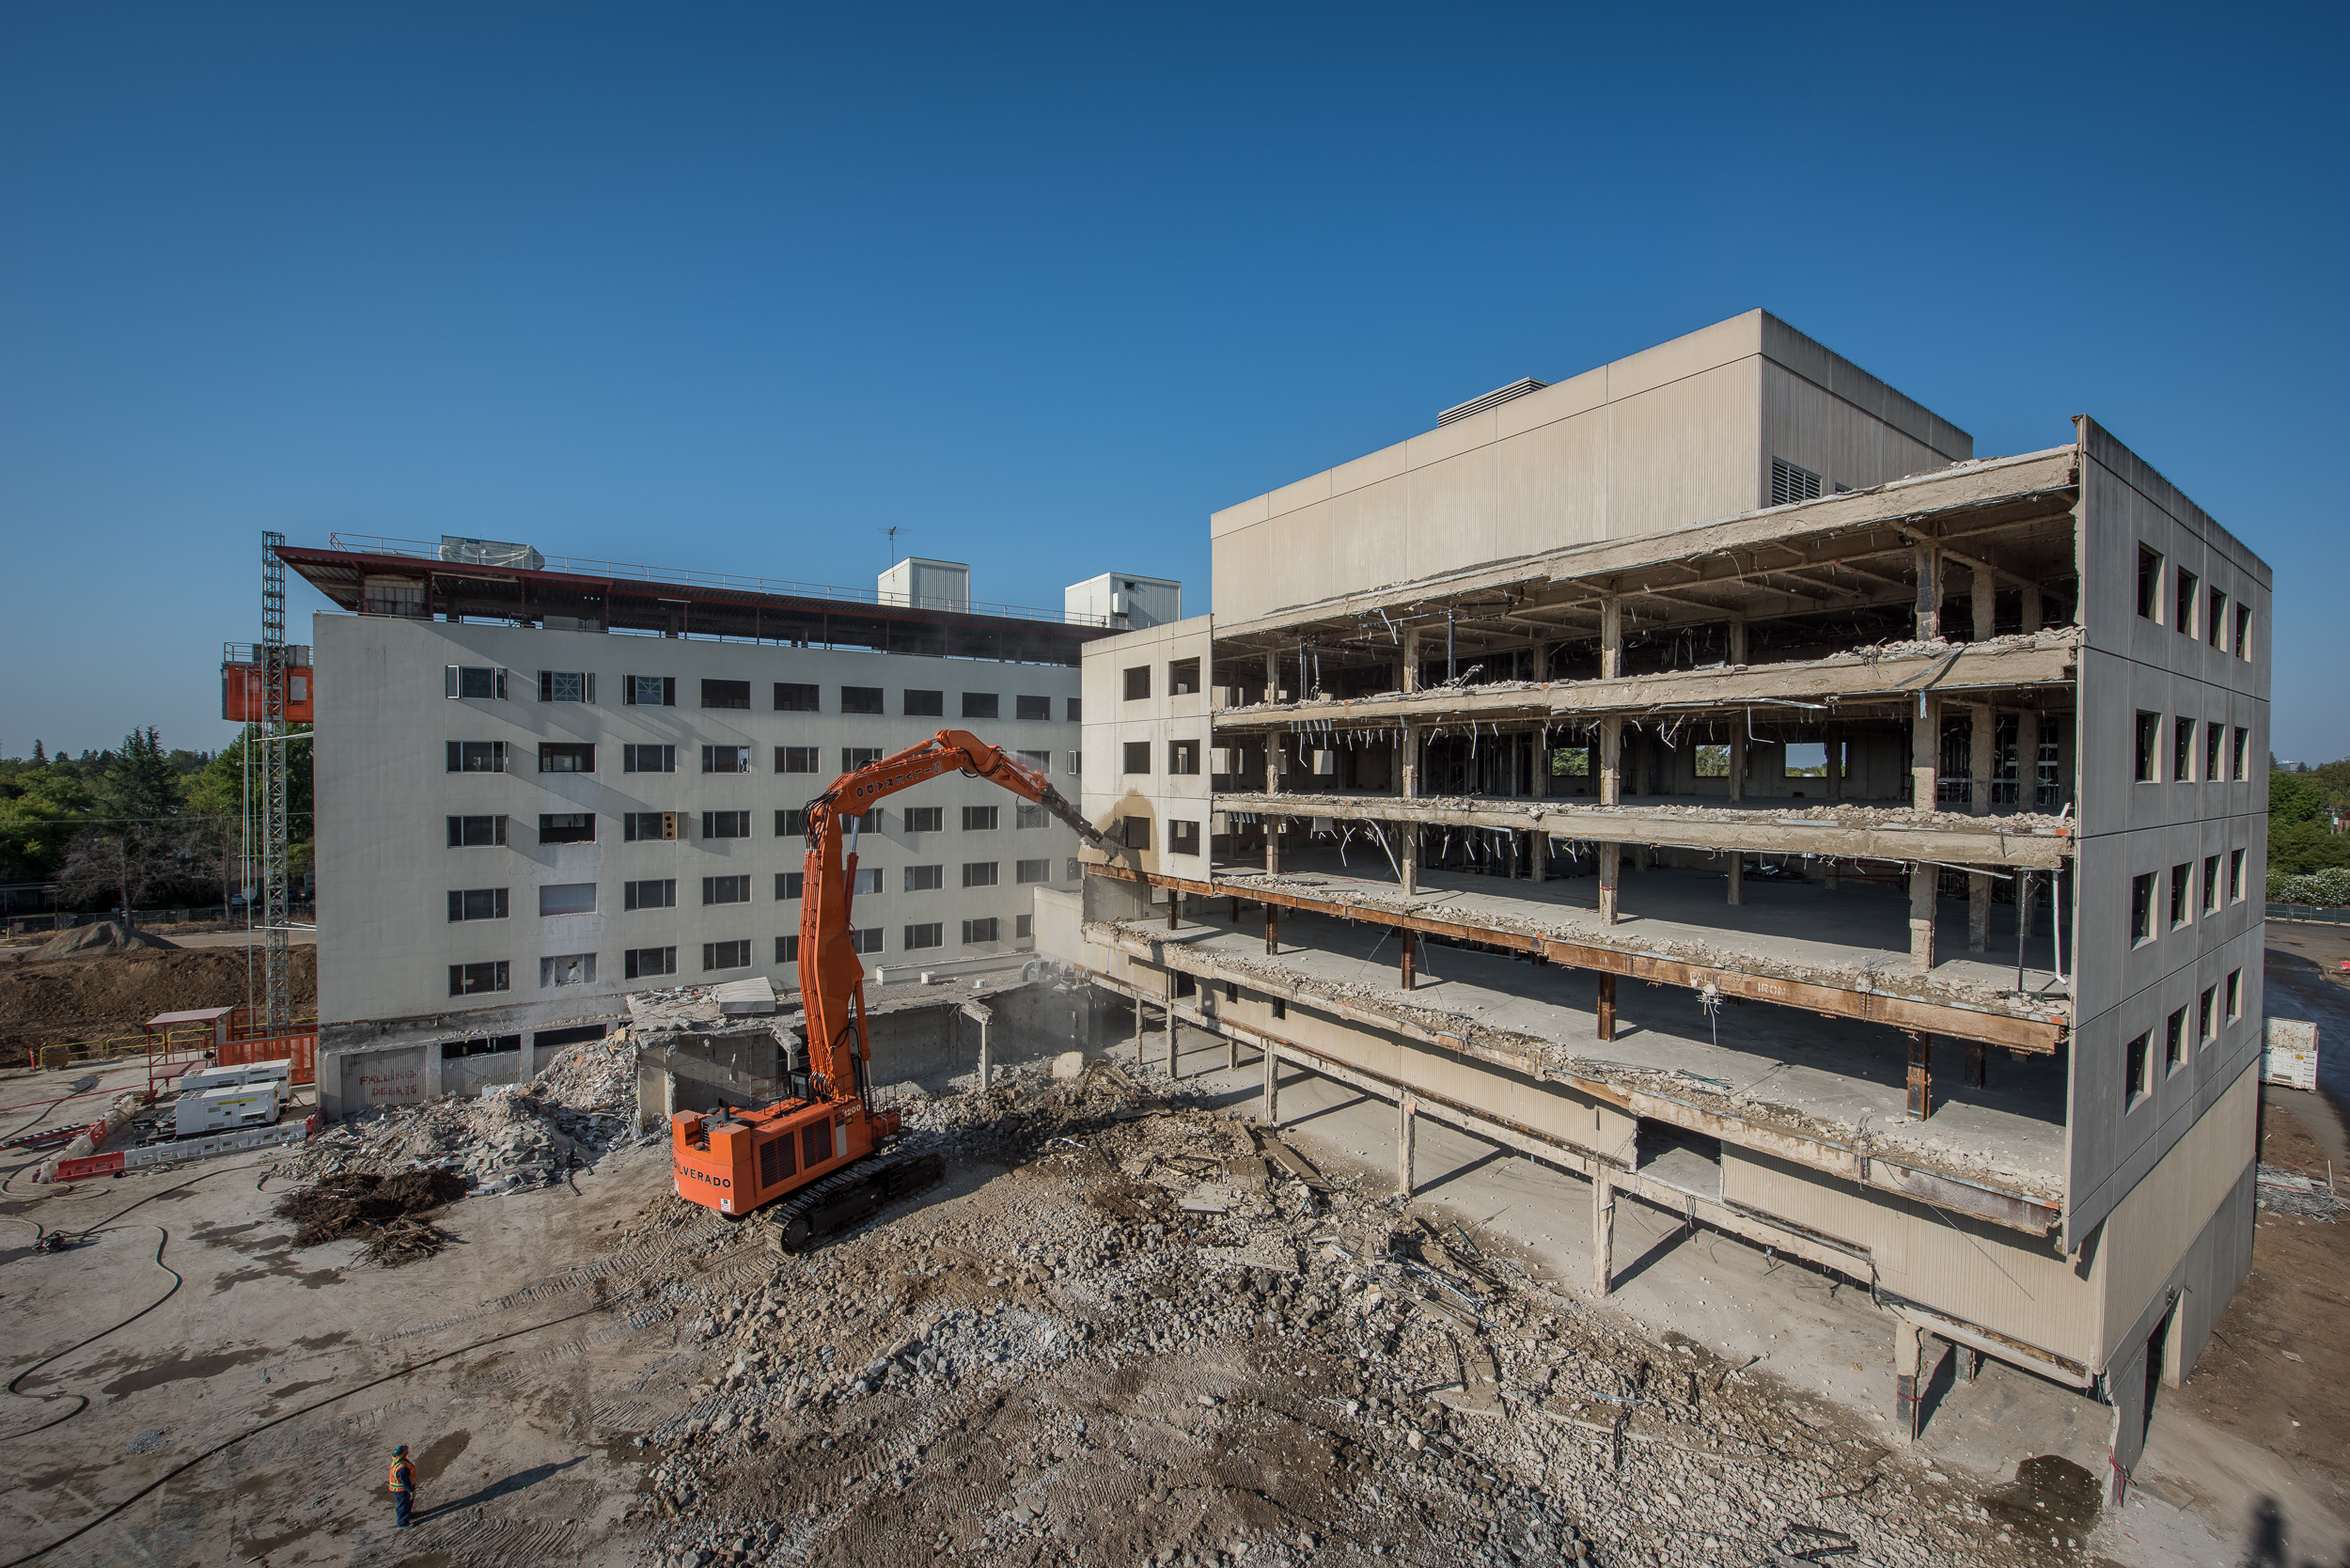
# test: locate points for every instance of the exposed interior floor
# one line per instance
(1859, 928)
(1772, 1065)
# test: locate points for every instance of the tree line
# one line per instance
(139, 826)
(2300, 831)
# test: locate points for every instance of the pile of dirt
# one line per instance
(386, 1210)
(101, 996)
(103, 936)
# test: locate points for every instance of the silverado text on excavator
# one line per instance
(811, 1152)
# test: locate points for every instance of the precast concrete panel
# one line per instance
(2149, 1234)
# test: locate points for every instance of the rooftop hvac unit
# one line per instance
(1498, 395)
(491, 552)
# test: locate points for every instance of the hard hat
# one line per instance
(398, 1452)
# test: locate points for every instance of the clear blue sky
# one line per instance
(738, 286)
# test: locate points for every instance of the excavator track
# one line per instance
(846, 1197)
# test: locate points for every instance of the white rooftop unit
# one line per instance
(927, 585)
(1126, 601)
(490, 551)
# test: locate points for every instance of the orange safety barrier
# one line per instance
(90, 1164)
(303, 1048)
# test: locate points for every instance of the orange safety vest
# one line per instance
(403, 1476)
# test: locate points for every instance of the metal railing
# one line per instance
(586, 565)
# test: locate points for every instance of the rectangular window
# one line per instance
(977, 932)
(788, 949)
(2216, 619)
(1033, 870)
(791, 822)
(2182, 750)
(567, 827)
(2242, 631)
(1076, 709)
(649, 758)
(1183, 837)
(1137, 832)
(922, 879)
(468, 832)
(2188, 599)
(2234, 992)
(726, 824)
(925, 819)
(2242, 748)
(979, 818)
(1713, 761)
(925, 705)
(2211, 883)
(2207, 1016)
(726, 890)
(1076, 767)
(566, 685)
(795, 759)
(568, 898)
(2213, 735)
(479, 1045)
(726, 758)
(789, 883)
(1032, 707)
(2175, 1040)
(645, 963)
(476, 756)
(2133, 1069)
(2181, 893)
(1182, 757)
(636, 825)
(979, 873)
(1137, 683)
(476, 903)
(981, 704)
(861, 700)
(1280, 1009)
(856, 757)
(2149, 748)
(1138, 757)
(931, 935)
(1024, 815)
(867, 940)
(467, 979)
(1035, 762)
(725, 955)
(569, 969)
(795, 697)
(2149, 583)
(2235, 876)
(726, 694)
(1024, 927)
(868, 880)
(652, 893)
(649, 691)
(1182, 677)
(474, 683)
(2142, 909)
(1803, 760)
(566, 758)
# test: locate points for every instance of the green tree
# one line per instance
(219, 800)
(2296, 849)
(138, 843)
(40, 812)
(2293, 797)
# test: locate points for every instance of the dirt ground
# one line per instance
(111, 993)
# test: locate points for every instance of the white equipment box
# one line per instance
(229, 1107)
(202, 1078)
(2289, 1053)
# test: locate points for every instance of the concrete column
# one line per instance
(1982, 729)
(1138, 1028)
(2031, 609)
(1408, 862)
(1411, 762)
(1828, 876)
(1969, 1363)
(1612, 762)
(1610, 871)
(1272, 1063)
(1929, 609)
(1174, 909)
(1978, 913)
(1542, 661)
(1921, 902)
(987, 1059)
(1738, 761)
(1737, 877)
(1231, 1051)
(1272, 767)
(1738, 642)
(1172, 1025)
(1410, 942)
(1611, 638)
(1540, 856)
(1985, 588)
(1602, 1235)
(1411, 658)
(2027, 760)
(1925, 753)
(1272, 929)
(1920, 1104)
(1978, 1064)
(1908, 1387)
(1406, 1135)
(1835, 779)
(1605, 1023)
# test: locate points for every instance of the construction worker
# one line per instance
(404, 1486)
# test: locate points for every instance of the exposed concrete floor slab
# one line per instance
(1859, 929)
(1770, 1063)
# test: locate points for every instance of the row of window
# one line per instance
(579, 898)
(468, 980)
(579, 828)
(494, 756)
(2191, 609)
(1182, 757)
(2224, 754)
(2182, 905)
(1183, 679)
(2214, 1006)
(487, 682)
(1183, 837)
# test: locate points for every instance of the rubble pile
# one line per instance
(388, 1210)
(513, 1137)
(1161, 1336)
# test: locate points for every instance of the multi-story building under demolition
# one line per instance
(1920, 796)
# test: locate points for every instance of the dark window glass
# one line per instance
(1032, 708)
(476, 903)
(795, 697)
(469, 831)
(1183, 837)
(925, 819)
(726, 824)
(567, 827)
(1137, 683)
(466, 979)
(980, 705)
(2149, 583)
(726, 693)
(925, 705)
(1138, 757)
(566, 758)
(861, 700)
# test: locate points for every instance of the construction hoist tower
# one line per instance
(276, 892)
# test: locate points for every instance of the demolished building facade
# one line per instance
(1706, 776)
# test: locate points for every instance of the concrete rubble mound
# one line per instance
(100, 936)
(510, 1139)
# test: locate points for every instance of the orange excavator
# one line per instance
(818, 1154)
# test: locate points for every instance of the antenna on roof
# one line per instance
(890, 535)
